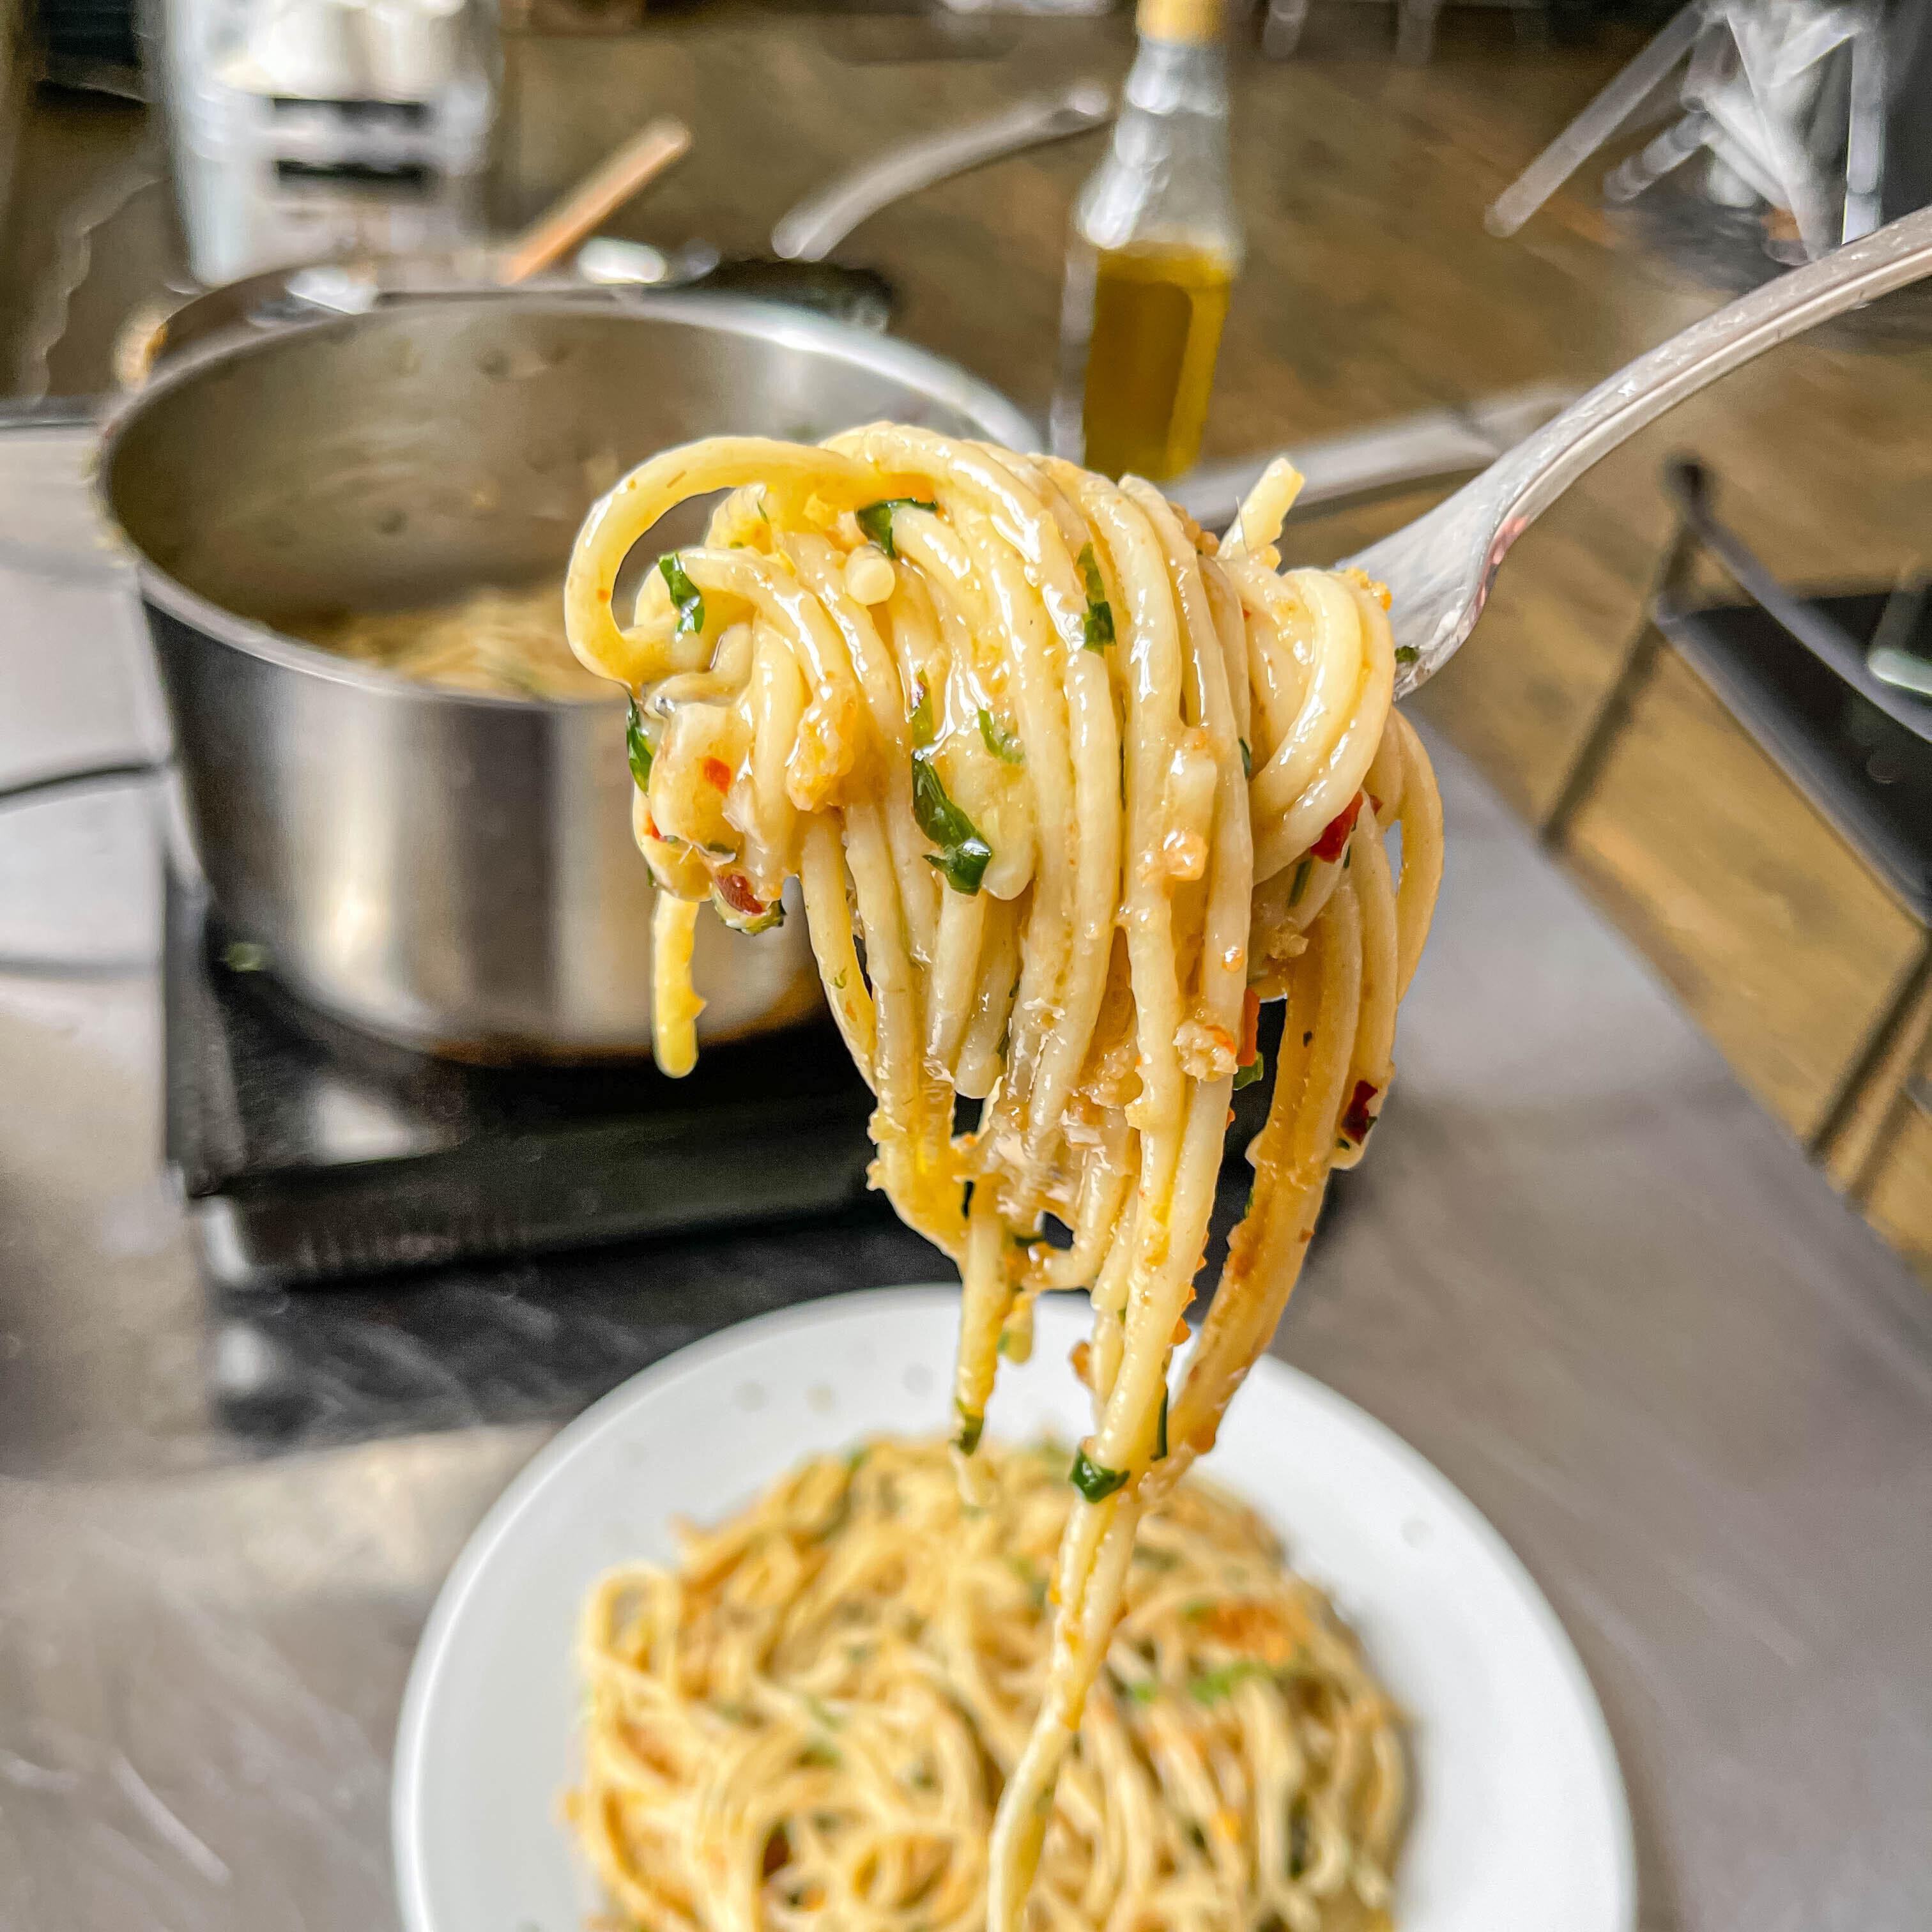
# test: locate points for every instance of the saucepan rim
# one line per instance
(945, 381)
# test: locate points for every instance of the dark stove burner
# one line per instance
(310, 1151)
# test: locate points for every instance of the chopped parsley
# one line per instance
(1297, 1840)
(1407, 654)
(639, 747)
(1211, 1686)
(1246, 1076)
(1003, 745)
(1094, 1480)
(1099, 627)
(837, 1516)
(972, 1425)
(963, 855)
(919, 718)
(684, 594)
(1028, 1572)
(876, 519)
(1301, 886)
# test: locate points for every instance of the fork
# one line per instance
(1438, 569)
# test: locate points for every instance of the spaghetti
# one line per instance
(510, 644)
(806, 1722)
(1070, 787)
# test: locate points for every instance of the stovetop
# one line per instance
(310, 1151)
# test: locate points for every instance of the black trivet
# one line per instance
(311, 1151)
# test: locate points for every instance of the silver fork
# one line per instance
(1438, 569)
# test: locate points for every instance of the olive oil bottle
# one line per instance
(1155, 249)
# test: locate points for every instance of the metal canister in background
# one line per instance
(302, 129)
(1155, 248)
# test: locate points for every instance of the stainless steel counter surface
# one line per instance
(1581, 1272)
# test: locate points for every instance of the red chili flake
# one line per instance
(1358, 1120)
(1251, 1022)
(736, 892)
(1335, 834)
(718, 772)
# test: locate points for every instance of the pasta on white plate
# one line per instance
(1070, 788)
(795, 1727)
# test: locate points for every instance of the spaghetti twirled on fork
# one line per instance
(1070, 787)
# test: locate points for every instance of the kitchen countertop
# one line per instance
(1582, 1273)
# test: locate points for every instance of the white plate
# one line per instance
(1520, 1824)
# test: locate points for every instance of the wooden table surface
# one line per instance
(1371, 288)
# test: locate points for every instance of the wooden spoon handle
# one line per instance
(639, 161)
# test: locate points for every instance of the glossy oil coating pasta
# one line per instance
(804, 1723)
(1070, 786)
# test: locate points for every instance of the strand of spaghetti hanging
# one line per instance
(1070, 786)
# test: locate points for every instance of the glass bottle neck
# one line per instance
(1173, 115)
(1166, 177)
(1178, 77)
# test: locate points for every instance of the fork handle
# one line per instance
(1541, 467)
(1440, 568)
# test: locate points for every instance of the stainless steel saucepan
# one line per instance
(452, 871)
(799, 272)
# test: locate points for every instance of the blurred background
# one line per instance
(1394, 275)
